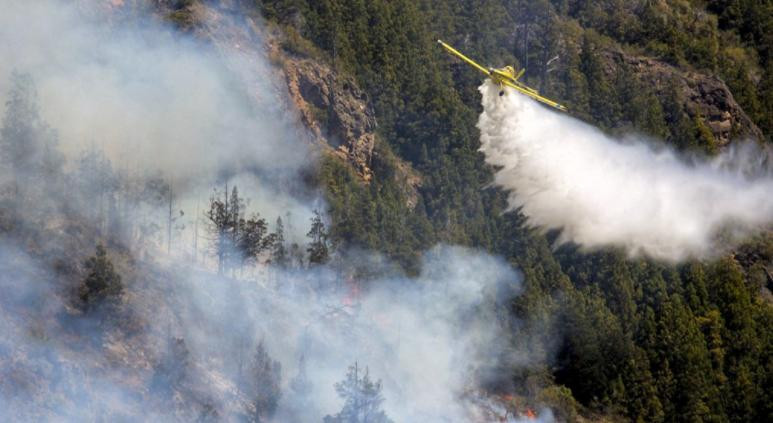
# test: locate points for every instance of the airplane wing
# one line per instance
(463, 57)
(533, 94)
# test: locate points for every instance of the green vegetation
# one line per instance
(639, 339)
(633, 338)
(102, 286)
(362, 399)
(264, 380)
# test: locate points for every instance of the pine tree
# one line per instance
(604, 106)
(682, 128)
(171, 370)
(102, 286)
(252, 238)
(27, 144)
(704, 135)
(301, 385)
(279, 254)
(219, 225)
(766, 97)
(263, 384)
(362, 399)
(318, 249)
(237, 240)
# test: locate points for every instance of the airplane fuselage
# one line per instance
(507, 73)
(504, 77)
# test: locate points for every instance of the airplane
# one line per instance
(505, 76)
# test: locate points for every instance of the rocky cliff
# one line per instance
(337, 113)
(704, 95)
(333, 107)
(334, 110)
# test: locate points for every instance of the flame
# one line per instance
(353, 296)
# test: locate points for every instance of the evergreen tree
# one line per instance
(236, 240)
(362, 399)
(296, 256)
(318, 249)
(263, 385)
(682, 129)
(252, 238)
(279, 255)
(171, 370)
(97, 185)
(102, 286)
(704, 136)
(220, 226)
(603, 102)
(28, 152)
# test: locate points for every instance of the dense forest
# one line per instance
(641, 339)
(611, 336)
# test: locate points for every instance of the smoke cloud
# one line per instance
(148, 96)
(157, 103)
(427, 338)
(563, 173)
(180, 344)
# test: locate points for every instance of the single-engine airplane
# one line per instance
(505, 76)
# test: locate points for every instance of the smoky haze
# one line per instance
(158, 103)
(148, 97)
(568, 175)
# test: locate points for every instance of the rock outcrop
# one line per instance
(704, 95)
(334, 109)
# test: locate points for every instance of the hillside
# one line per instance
(369, 132)
(617, 80)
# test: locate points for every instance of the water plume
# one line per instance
(563, 173)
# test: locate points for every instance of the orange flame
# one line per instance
(353, 296)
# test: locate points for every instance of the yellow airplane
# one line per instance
(505, 76)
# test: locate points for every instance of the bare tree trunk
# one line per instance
(169, 224)
(196, 232)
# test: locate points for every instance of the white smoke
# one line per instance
(151, 98)
(155, 101)
(566, 174)
(159, 103)
(427, 338)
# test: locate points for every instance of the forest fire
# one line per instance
(505, 408)
(228, 210)
(352, 296)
